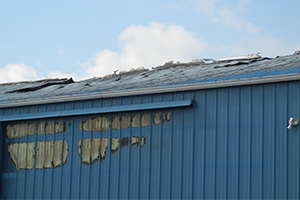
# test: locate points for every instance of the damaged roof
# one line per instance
(171, 77)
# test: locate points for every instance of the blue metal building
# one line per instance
(205, 129)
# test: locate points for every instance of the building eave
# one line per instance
(146, 91)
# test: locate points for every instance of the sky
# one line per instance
(92, 38)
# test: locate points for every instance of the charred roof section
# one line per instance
(170, 77)
(34, 86)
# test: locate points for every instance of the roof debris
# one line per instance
(247, 57)
(45, 83)
(169, 75)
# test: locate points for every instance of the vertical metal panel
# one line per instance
(293, 143)
(67, 175)
(105, 165)
(268, 171)
(199, 144)
(115, 160)
(125, 155)
(145, 157)
(177, 144)
(1, 153)
(166, 158)
(233, 143)
(221, 143)
(210, 144)
(155, 146)
(281, 141)
(188, 154)
(30, 174)
(134, 161)
(85, 169)
(75, 180)
(245, 143)
(256, 142)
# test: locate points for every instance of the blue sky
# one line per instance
(84, 39)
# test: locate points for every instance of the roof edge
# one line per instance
(143, 91)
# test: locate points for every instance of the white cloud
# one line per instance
(146, 46)
(227, 16)
(17, 73)
(267, 45)
(206, 6)
(57, 74)
(230, 16)
(242, 4)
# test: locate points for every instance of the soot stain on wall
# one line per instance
(104, 123)
(48, 154)
(20, 130)
(101, 123)
(51, 127)
(22, 155)
(90, 150)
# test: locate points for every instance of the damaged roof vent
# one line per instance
(247, 57)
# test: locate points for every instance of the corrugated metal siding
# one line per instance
(233, 143)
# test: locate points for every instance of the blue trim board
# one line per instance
(112, 109)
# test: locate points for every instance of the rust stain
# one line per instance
(58, 146)
(60, 153)
(51, 154)
(135, 141)
(80, 124)
(125, 121)
(91, 149)
(86, 151)
(104, 123)
(48, 156)
(95, 149)
(145, 119)
(39, 162)
(20, 130)
(115, 123)
(136, 121)
(167, 116)
(114, 144)
(79, 147)
(157, 118)
(103, 147)
(124, 142)
(95, 124)
(51, 127)
(143, 141)
(41, 127)
(60, 127)
(22, 155)
(65, 151)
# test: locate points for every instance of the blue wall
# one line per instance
(233, 143)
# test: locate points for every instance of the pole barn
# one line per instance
(206, 129)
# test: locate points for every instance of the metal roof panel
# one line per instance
(170, 75)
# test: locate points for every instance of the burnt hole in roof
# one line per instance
(35, 88)
(119, 78)
(144, 74)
